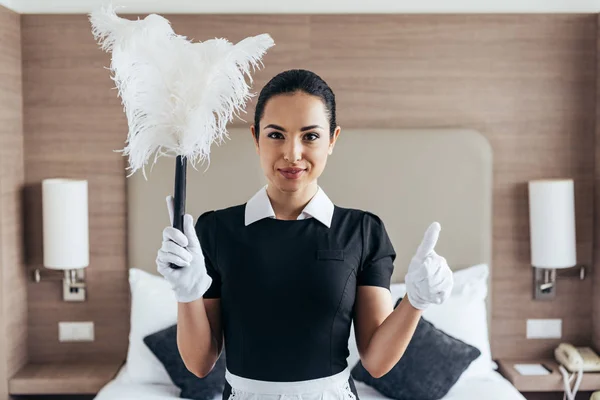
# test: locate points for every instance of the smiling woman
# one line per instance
(294, 132)
(281, 278)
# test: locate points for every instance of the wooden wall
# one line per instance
(596, 266)
(13, 288)
(527, 82)
(73, 122)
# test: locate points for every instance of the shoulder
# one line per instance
(222, 216)
(362, 216)
(353, 219)
(373, 226)
(211, 222)
(372, 220)
(230, 212)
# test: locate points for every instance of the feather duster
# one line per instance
(178, 96)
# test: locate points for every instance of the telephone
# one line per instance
(577, 358)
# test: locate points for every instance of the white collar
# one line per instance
(259, 206)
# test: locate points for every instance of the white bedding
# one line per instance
(490, 387)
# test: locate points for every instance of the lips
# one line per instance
(291, 173)
(292, 170)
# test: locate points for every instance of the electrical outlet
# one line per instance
(544, 328)
(77, 293)
(76, 331)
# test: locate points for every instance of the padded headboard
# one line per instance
(409, 177)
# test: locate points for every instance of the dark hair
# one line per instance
(290, 82)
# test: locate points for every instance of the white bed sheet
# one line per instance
(121, 388)
(492, 386)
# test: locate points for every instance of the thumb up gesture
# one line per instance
(429, 279)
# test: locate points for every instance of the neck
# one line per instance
(289, 205)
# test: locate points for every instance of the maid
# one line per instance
(280, 279)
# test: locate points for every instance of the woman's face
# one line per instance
(294, 140)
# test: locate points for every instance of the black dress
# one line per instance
(287, 288)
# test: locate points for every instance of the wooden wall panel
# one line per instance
(596, 269)
(527, 82)
(13, 287)
(73, 122)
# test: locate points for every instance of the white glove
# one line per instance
(429, 278)
(191, 281)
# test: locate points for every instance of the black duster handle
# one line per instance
(179, 195)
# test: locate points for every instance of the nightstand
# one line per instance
(63, 378)
(545, 386)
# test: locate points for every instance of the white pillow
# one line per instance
(463, 316)
(153, 307)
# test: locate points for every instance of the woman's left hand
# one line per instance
(429, 278)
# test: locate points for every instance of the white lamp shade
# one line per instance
(552, 223)
(65, 223)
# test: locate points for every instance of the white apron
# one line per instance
(335, 387)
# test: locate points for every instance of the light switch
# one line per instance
(544, 328)
(76, 331)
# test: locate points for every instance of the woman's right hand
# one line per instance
(191, 281)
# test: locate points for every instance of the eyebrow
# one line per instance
(306, 128)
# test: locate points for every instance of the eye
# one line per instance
(311, 136)
(275, 135)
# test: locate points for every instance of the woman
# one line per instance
(280, 278)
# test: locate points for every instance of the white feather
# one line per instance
(178, 96)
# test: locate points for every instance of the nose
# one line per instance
(292, 151)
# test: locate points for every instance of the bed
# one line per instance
(409, 177)
(491, 387)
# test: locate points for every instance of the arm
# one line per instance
(200, 334)
(196, 285)
(382, 333)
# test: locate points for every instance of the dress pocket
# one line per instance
(327, 254)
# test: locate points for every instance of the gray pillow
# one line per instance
(164, 346)
(430, 366)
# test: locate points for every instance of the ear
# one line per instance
(333, 139)
(254, 139)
